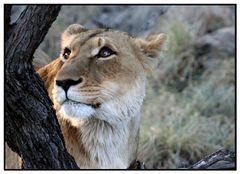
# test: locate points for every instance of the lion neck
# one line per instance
(109, 139)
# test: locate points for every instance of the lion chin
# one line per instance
(76, 111)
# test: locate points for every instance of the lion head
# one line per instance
(101, 69)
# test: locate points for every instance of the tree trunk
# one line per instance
(31, 126)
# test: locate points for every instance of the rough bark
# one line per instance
(31, 126)
(221, 159)
(7, 18)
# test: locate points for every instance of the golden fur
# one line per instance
(40, 59)
(100, 113)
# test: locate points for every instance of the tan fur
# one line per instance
(12, 160)
(40, 59)
(106, 136)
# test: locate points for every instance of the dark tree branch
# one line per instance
(7, 14)
(221, 159)
(31, 126)
(7, 18)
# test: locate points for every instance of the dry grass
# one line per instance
(188, 112)
(174, 131)
(178, 65)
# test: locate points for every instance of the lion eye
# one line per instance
(66, 53)
(105, 52)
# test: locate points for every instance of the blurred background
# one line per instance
(189, 108)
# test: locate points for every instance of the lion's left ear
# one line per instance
(152, 45)
(150, 49)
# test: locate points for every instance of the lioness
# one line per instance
(97, 86)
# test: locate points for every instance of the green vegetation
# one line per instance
(188, 112)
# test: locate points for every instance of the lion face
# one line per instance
(103, 71)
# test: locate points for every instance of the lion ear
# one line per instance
(70, 31)
(73, 29)
(152, 45)
(150, 49)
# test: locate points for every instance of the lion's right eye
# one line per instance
(66, 53)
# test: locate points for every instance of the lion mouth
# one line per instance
(72, 102)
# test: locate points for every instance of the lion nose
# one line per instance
(65, 84)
